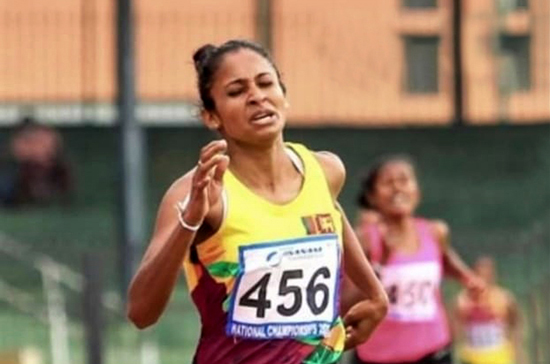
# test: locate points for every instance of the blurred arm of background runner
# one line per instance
(457, 328)
(516, 329)
(453, 264)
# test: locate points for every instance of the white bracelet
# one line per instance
(186, 225)
(180, 208)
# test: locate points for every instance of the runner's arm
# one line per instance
(158, 271)
(371, 300)
(516, 329)
(362, 317)
(452, 263)
(457, 328)
(157, 274)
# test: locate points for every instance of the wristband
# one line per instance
(186, 225)
(180, 207)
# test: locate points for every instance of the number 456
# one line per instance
(285, 288)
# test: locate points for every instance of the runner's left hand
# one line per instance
(360, 321)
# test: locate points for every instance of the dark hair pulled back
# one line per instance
(208, 58)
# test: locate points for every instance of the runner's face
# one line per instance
(250, 103)
(396, 191)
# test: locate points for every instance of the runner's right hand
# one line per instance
(207, 182)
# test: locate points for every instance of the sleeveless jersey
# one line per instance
(266, 283)
(416, 323)
(486, 338)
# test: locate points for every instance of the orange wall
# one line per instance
(63, 50)
(343, 61)
(41, 50)
(169, 31)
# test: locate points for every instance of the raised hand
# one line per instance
(207, 182)
(475, 286)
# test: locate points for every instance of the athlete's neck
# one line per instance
(398, 224)
(401, 233)
(261, 168)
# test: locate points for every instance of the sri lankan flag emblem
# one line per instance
(318, 224)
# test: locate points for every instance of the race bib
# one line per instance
(286, 289)
(411, 289)
(485, 335)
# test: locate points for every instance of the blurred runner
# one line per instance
(411, 254)
(488, 325)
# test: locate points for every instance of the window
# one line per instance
(419, 3)
(522, 4)
(421, 57)
(515, 70)
(511, 5)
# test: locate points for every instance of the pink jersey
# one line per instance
(416, 324)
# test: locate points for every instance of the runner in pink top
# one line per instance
(412, 255)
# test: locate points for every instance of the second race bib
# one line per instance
(286, 289)
(485, 334)
(411, 290)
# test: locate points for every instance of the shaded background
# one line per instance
(365, 78)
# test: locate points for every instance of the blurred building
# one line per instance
(350, 62)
